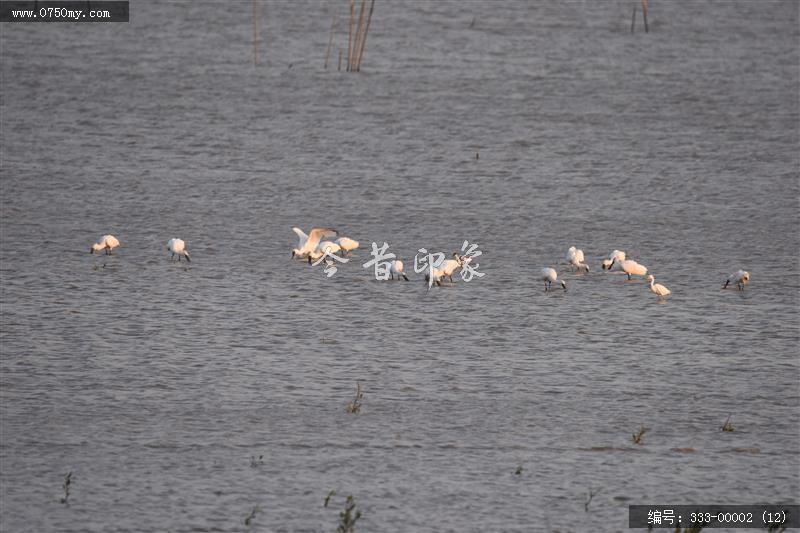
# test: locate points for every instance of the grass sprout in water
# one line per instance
(727, 426)
(354, 407)
(592, 493)
(252, 515)
(67, 483)
(348, 517)
(638, 438)
(328, 497)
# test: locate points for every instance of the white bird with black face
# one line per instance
(107, 243)
(309, 243)
(575, 258)
(347, 244)
(549, 275)
(740, 278)
(630, 267)
(617, 255)
(396, 267)
(657, 288)
(177, 246)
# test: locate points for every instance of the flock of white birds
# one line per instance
(109, 242)
(619, 259)
(312, 247)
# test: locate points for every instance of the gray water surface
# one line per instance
(154, 382)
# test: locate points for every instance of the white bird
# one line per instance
(740, 278)
(630, 267)
(308, 243)
(575, 258)
(347, 244)
(177, 246)
(549, 275)
(449, 266)
(325, 246)
(438, 274)
(396, 267)
(619, 255)
(658, 288)
(302, 241)
(107, 243)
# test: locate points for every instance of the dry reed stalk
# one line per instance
(364, 40)
(359, 35)
(255, 32)
(350, 34)
(330, 41)
(644, 15)
(633, 18)
(340, 59)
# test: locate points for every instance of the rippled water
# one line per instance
(154, 382)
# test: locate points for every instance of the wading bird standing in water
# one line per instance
(177, 246)
(107, 243)
(740, 278)
(347, 244)
(575, 258)
(630, 267)
(657, 288)
(549, 275)
(619, 255)
(396, 267)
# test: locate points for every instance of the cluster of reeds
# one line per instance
(354, 407)
(358, 28)
(256, 462)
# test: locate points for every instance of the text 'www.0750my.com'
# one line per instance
(74, 11)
